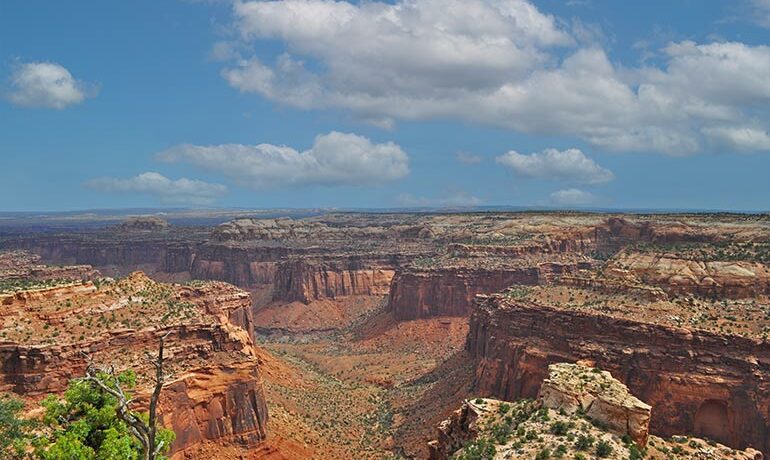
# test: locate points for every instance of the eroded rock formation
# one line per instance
(577, 389)
(305, 280)
(580, 412)
(699, 382)
(215, 389)
(450, 291)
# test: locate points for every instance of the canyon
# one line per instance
(360, 332)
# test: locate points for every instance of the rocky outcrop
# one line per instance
(451, 291)
(214, 392)
(454, 432)
(575, 402)
(246, 267)
(306, 280)
(577, 389)
(618, 231)
(699, 382)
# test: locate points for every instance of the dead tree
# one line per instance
(144, 432)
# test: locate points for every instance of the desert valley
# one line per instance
(376, 335)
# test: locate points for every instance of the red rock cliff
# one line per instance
(215, 392)
(700, 383)
(307, 280)
(451, 291)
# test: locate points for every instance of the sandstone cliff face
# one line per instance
(215, 392)
(699, 383)
(304, 281)
(153, 255)
(224, 404)
(451, 291)
(243, 266)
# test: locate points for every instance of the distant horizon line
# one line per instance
(417, 209)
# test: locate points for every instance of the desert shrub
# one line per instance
(603, 449)
(584, 442)
(479, 449)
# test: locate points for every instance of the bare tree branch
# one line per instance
(145, 433)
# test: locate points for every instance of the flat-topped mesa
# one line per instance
(699, 382)
(450, 290)
(683, 276)
(268, 229)
(370, 227)
(143, 224)
(306, 280)
(580, 412)
(662, 230)
(24, 266)
(214, 392)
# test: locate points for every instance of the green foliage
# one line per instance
(584, 442)
(14, 430)
(480, 449)
(559, 428)
(634, 453)
(603, 449)
(501, 433)
(84, 424)
(544, 454)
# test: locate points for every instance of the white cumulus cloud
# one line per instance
(572, 197)
(334, 159)
(496, 62)
(46, 84)
(180, 191)
(569, 165)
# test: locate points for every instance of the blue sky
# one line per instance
(638, 104)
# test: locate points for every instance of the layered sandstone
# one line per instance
(306, 280)
(214, 392)
(699, 382)
(450, 291)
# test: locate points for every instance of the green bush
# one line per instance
(584, 442)
(559, 428)
(480, 449)
(603, 449)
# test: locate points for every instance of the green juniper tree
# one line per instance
(94, 421)
(14, 430)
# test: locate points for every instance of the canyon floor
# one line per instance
(372, 388)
